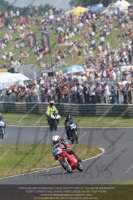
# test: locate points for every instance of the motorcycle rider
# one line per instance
(2, 119)
(57, 140)
(50, 110)
(67, 125)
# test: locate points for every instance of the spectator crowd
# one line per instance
(71, 89)
(104, 79)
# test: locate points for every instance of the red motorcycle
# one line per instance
(67, 161)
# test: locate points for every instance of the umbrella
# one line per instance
(74, 69)
(102, 9)
(95, 8)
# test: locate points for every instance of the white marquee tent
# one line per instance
(121, 5)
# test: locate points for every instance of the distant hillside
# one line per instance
(53, 39)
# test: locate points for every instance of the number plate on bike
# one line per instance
(57, 151)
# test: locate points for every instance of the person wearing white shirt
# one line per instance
(3, 45)
(94, 16)
(74, 94)
(72, 34)
(74, 77)
(93, 33)
(123, 45)
(102, 39)
(42, 81)
(42, 20)
(3, 57)
(84, 78)
(79, 93)
(113, 76)
(118, 73)
(124, 83)
(51, 17)
(91, 53)
(79, 79)
(93, 42)
(58, 19)
(10, 54)
(75, 30)
(107, 93)
(59, 29)
(17, 13)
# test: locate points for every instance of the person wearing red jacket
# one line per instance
(64, 145)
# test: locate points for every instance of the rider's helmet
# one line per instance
(69, 117)
(56, 139)
(51, 103)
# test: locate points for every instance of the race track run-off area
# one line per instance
(112, 165)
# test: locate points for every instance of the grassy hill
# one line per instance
(53, 40)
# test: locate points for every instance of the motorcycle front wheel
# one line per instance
(74, 137)
(51, 124)
(55, 125)
(65, 166)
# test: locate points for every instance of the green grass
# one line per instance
(83, 121)
(53, 40)
(24, 158)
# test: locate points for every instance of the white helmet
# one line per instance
(55, 139)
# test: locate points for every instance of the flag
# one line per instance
(46, 43)
(32, 42)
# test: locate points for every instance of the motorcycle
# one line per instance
(73, 133)
(54, 120)
(68, 162)
(2, 124)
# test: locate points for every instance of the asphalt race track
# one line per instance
(115, 164)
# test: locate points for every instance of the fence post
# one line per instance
(106, 96)
(119, 95)
(132, 95)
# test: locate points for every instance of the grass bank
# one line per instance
(24, 158)
(83, 121)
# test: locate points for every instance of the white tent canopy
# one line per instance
(117, 3)
(122, 5)
(9, 79)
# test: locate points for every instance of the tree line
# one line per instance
(6, 6)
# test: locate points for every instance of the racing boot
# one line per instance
(79, 160)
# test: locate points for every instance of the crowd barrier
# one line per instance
(37, 98)
(123, 110)
(14, 98)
